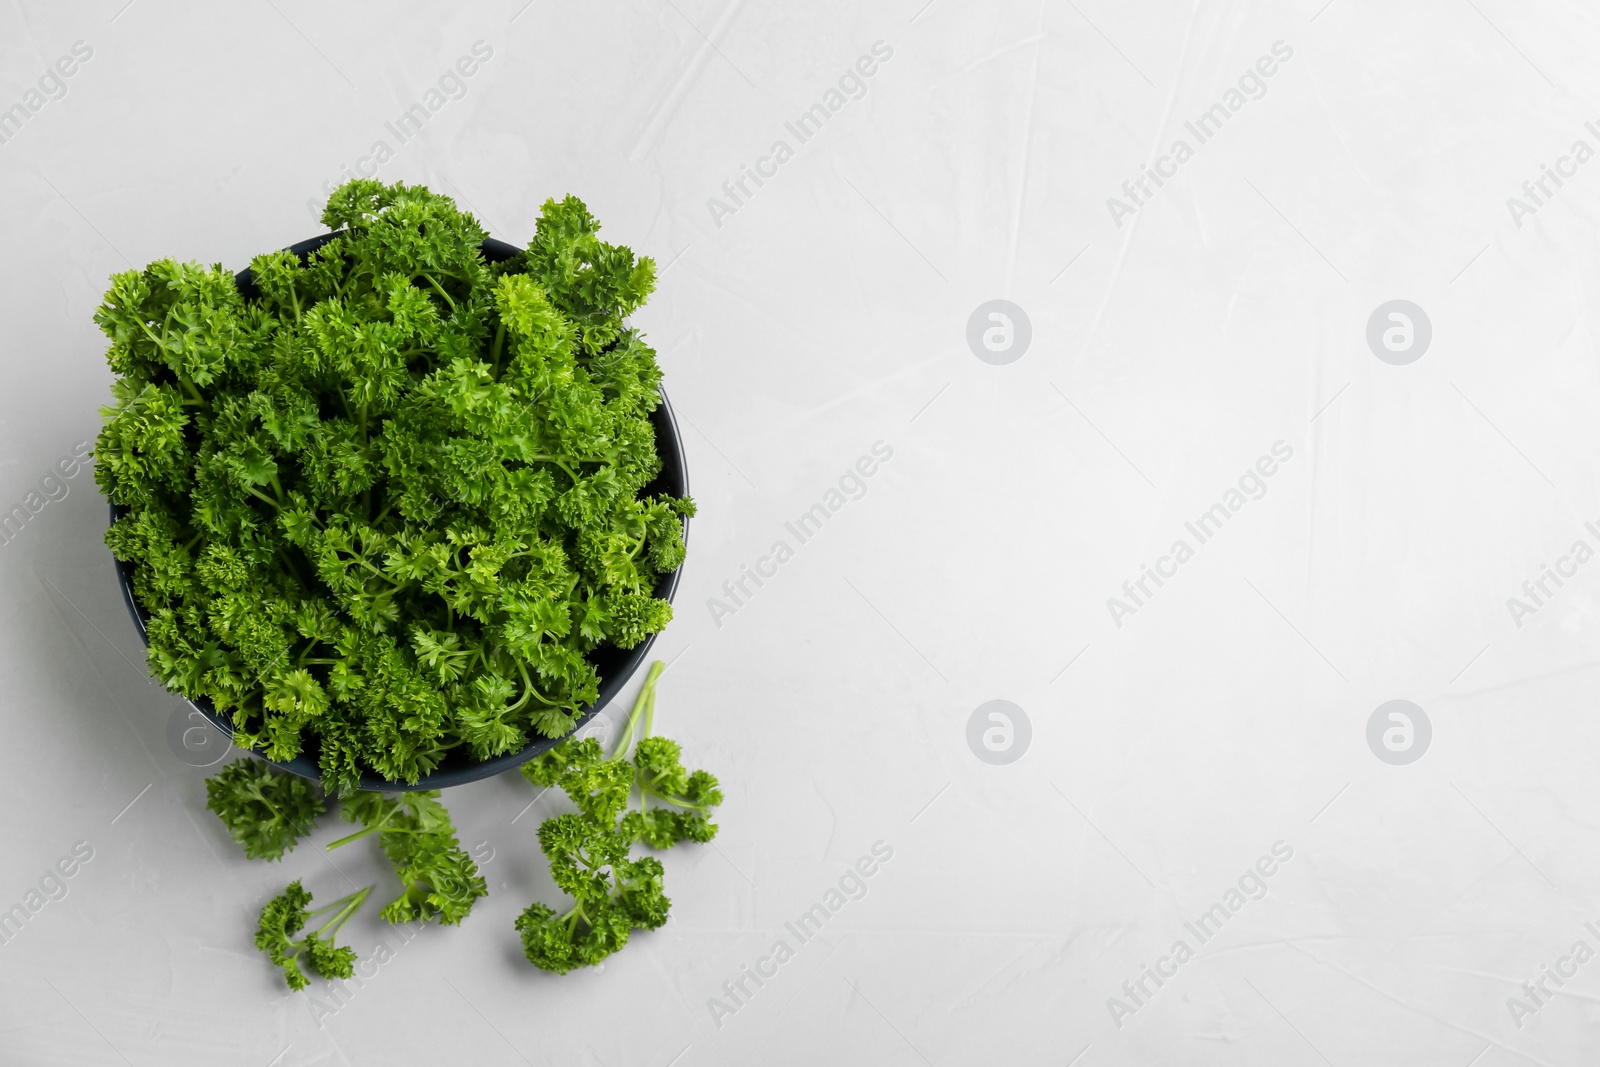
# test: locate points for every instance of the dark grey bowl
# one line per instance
(615, 666)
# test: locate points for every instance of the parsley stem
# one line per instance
(646, 696)
(440, 291)
(379, 573)
(646, 789)
(528, 690)
(381, 824)
(358, 835)
(347, 904)
(650, 704)
(158, 342)
(380, 827)
(259, 495)
(557, 461)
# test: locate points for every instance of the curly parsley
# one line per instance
(265, 811)
(385, 508)
(590, 850)
(285, 915)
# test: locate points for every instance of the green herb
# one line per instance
(416, 834)
(268, 811)
(613, 894)
(589, 851)
(387, 508)
(264, 810)
(285, 915)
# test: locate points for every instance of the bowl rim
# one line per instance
(674, 471)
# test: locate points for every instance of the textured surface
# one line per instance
(1172, 738)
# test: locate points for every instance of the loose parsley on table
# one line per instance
(414, 830)
(590, 850)
(384, 509)
(267, 811)
(285, 915)
(264, 810)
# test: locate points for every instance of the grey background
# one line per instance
(828, 313)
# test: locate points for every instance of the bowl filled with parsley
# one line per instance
(400, 506)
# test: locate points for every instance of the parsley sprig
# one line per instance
(589, 850)
(415, 832)
(285, 915)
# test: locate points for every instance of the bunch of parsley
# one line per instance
(387, 506)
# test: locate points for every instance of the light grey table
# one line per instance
(1196, 505)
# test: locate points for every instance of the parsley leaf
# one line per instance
(264, 810)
